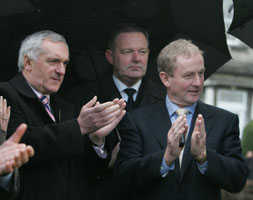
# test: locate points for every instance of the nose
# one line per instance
(136, 56)
(197, 80)
(61, 69)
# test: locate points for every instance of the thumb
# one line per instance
(17, 135)
(91, 102)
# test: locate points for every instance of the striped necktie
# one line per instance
(45, 102)
(181, 112)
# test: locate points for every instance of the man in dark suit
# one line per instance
(68, 149)
(128, 51)
(153, 163)
(12, 154)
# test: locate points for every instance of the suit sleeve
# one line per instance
(51, 141)
(226, 166)
(133, 169)
(9, 191)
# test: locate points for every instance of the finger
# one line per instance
(4, 107)
(1, 105)
(100, 107)
(17, 135)
(8, 112)
(17, 160)
(24, 157)
(30, 151)
(115, 101)
(202, 126)
(9, 167)
(91, 103)
(197, 125)
(108, 112)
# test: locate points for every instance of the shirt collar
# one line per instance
(38, 93)
(171, 107)
(121, 86)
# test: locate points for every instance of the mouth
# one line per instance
(194, 92)
(134, 67)
(56, 79)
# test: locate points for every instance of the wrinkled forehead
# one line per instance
(59, 49)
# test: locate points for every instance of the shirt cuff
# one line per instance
(100, 150)
(203, 167)
(165, 169)
(5, 181)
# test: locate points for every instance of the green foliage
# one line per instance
(247, 138)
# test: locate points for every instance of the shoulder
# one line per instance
(144, 112)
(218, 113)
(152, 90)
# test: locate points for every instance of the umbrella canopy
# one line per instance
(242, 24)
(86, 25)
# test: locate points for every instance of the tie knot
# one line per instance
(44, 99)
(130, 91)
(182, 111)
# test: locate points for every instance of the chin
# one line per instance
(52, 90)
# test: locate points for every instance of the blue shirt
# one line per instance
(171, 107)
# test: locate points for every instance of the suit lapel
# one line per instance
(62, 110)
(200, 109)
(159, 123)
(109, 90)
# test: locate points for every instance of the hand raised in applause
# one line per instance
(198, 140)
(98, 136)
(100, 119)
(173, 150)
(13, 154)
(4, 114)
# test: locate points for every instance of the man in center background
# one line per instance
(128, 51)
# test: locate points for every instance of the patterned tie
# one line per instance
(44, 101)
(181, 112)
(130, 102)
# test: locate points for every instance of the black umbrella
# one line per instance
(242, 24)
(86, 25)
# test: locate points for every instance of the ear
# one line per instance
(27, 63)
(109, 56)
(165, 79)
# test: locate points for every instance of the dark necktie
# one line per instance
(45, 102)
(130, 102)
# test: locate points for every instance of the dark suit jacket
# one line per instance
(106, 90)
(144, 139)
(58, 170)
(13, 185)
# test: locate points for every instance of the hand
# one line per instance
(173, 150)
(198, 140)
(4, 114)
(94, 116)
(98, 136)
(12, 154)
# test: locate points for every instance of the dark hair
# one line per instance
(124, 28)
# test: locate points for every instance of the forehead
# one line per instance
(131, 39)
(55, 49)
(189, 63)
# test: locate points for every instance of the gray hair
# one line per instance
(168, 55)
(32, 45)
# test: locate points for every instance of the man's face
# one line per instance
(47, 72)
(186, 84)
(129, 57)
